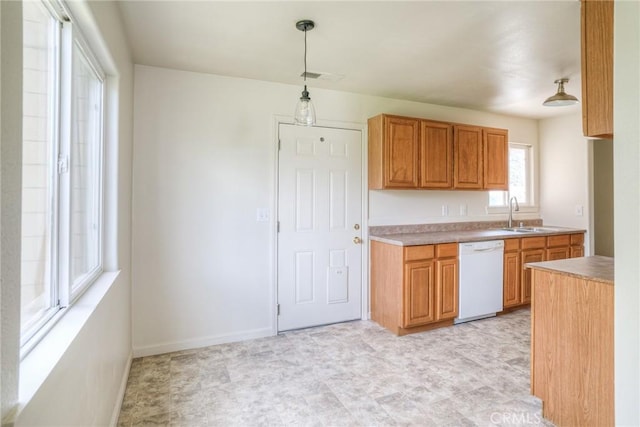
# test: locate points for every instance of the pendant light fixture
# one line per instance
(305, 114)
(561, 98)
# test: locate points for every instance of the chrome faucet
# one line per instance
(511, 200)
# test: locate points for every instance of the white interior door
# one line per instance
(319, 209)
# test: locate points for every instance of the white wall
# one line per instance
(85, 381)
(204, 160)
(564, 173)
(626, 157)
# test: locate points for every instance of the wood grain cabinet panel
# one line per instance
(447, 288)
(597, 68)
(401, 153)
(436, 155)
(496, 159)
(419, 293)
(511, 277)
(393, 152)
(529, 255)
(467, 157)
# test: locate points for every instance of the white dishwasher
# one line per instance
(480, 292)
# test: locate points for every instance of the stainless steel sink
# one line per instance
(530, 229)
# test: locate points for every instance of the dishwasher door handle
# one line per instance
(485, 249)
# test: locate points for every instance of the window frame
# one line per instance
(531, 204)
(63, 293)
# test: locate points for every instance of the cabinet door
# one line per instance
(436, 155)
(511, 273)
(419, 293)
(447, 288)
(597, 68)
(577, 251)
(496, 159)
(467, 157)
(401, 152)
(531, 255)
(558, 253)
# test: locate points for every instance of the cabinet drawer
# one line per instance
(447, 250)
(511, 245)
(577, 239)
(561, 240)
(414, 253)
(533, 242)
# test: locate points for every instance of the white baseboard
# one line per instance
(150, 350)
(123, 388)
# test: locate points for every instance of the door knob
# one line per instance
(357, 240)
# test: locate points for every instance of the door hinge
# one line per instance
(279, 145)
(278, 308)
(63, 164)
(278, 225)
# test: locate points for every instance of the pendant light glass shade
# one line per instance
(305, 114)
(561, 98)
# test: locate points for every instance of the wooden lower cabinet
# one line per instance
(518, 252)
(511, 276)
(511, 273)
(414, 288)
(419, 293)
(447, 288)
(529, 255)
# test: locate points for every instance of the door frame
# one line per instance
(364, 193)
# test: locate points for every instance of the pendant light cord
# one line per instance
(305, 54)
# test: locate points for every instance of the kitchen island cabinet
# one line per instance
(572, 365)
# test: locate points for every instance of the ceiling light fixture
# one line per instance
(561, 98)
(305, 114)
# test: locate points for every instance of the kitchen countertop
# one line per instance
(436, 237)
(595, 268)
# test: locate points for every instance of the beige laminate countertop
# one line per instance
(436, 237)
(596, 268)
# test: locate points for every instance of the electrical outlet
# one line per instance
(445, 210)
(463, 210)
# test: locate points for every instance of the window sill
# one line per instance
(38, 364)
(505, 210)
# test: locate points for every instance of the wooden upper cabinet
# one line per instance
(467, 157)
(436, 155)
(410, 153)
(597, 68)
(496, 159)
(393, 152)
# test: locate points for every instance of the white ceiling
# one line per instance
(499, 56)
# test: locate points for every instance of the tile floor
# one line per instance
(354, 374)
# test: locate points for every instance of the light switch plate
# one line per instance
(262, 214)
(579, 210)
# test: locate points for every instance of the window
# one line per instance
(61, 165)
(520, 178)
